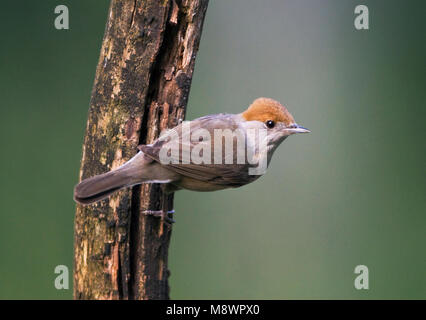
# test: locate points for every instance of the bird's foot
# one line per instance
(161, 214)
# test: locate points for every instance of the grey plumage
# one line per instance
(149, 166)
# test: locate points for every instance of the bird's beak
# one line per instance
(297, 129)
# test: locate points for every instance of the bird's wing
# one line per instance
(176, 140)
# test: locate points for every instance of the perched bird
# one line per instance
(174, 158)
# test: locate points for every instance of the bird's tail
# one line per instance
(101, 186)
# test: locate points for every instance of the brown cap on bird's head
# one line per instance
(264, 109)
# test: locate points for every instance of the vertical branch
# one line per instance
(141, 87)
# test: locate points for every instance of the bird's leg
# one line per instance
(164, 212)
(160, 214)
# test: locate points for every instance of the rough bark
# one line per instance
(141, 87)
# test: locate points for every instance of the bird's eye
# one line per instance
(270, 123)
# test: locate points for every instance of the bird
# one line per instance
(193, 156)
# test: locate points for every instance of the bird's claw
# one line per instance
(161, 214)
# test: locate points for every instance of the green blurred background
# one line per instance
(352, 192)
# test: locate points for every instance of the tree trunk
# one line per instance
(141, 87)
